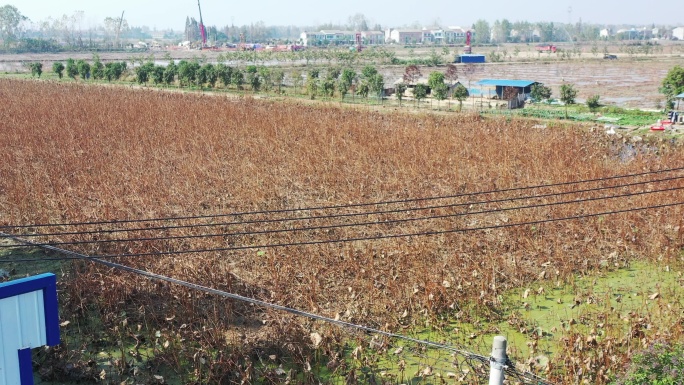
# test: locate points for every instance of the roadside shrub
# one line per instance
(614, 110)
(660, 364)
(540, 92)
(495, 57)
(593, 102)
(58, 68)
(36, 68)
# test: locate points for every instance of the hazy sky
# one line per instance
(163, 14)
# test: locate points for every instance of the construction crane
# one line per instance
(118, 28)
(203, 31)
(467, 49)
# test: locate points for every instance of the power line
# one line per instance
(363, 238)
(329, 207)
(343, 225)
(152, 276)
(277, 220)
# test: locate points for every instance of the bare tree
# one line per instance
(451, 76)
(10, 20)
(469, 71)
(411, 74)
(114, 26)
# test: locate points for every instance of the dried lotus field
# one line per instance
(400, 222)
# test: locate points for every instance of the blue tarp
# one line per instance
(680, 96)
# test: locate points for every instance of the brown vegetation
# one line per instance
(71, 153)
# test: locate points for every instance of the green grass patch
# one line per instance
(536, 319)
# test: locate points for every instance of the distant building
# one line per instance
(656, 33)
(448, 35)
(335, 37)
(644, 33)
(428, 37)
(327, 37)
(373, 37)
(404, 36)
(454, 34)
(338, 37)
(458, 32)
(606, 33)
(437, 36)
(627, 34)
(678, 33)
(499, 86)
(311, 38)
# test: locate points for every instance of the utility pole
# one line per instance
(498, 361)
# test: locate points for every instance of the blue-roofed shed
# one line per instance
(681, 97)
(523, 86)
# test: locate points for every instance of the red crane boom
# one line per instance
(466, 50)
(203, 31)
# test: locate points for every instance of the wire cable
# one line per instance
(280, 220)
(356, 224)
(329, 207)
(362, 238)
(152, 276)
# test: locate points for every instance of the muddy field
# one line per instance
(625, 83)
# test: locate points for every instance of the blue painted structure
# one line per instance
(470, 58)
(523, 86)
(28, 319)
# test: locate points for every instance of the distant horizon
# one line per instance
(171, 14)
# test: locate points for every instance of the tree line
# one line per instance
(329, 82)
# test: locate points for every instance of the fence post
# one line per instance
(498, 361)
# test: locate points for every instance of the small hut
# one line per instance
(523, 87)
(515, 92)
(679, 99)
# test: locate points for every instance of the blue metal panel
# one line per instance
(25, 285)
(28, 319)
(5, 362)
(472, 58)
(25, 366)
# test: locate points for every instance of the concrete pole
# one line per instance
(498, 361)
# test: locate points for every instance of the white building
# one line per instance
(405, 36)
(373, 37)
(327, 37)
(454, 34)
(678, 33)
(606, 33)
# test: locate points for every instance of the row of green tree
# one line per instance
(336, 81)
(331, 82)
(97, 70)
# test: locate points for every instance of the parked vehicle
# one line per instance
(609, 56)
(546, 48)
